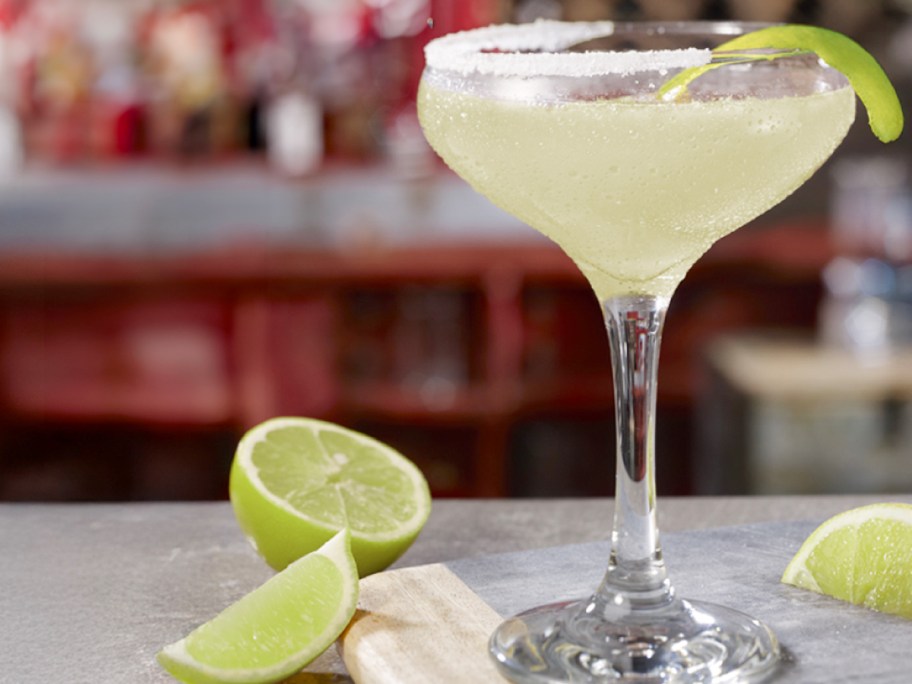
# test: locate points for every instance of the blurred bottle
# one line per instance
(11, 143)
(108, 29)
(868, 303)
(62, 70)
(293, 112)
(294, 131)
(188, 72)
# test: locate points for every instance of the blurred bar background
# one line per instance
(217, 211)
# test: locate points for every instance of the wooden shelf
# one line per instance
(224, 338)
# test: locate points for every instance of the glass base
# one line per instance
(688, 641)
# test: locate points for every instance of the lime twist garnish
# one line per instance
(864, 74)
(862, 556)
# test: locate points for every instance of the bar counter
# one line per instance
(90, 592)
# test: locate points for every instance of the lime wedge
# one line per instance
(276, 629)
(863, 556)
(295, 482)
(864, 74)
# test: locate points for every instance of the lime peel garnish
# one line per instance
(864, 74)
(676, 87)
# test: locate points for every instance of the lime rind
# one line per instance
(180, 660)
(865, 75)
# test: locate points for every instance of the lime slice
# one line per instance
(295, 482)
(864, 74)
(863, 556)
(276, 629)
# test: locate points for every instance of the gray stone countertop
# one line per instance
(90, 592)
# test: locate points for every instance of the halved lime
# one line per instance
(863, 556)
(864, 74)
(295, 482)
(276, 629)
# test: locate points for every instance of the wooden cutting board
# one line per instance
(431, 623)
(419, 625)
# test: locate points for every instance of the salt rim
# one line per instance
(464, 51)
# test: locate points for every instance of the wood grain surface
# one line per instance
(419, 625)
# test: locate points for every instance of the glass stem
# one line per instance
(636, 578)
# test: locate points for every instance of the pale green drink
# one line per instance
(635, 192)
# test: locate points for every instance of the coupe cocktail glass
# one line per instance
(564, 126)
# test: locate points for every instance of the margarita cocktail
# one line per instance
(632, 188)
(573, 129)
